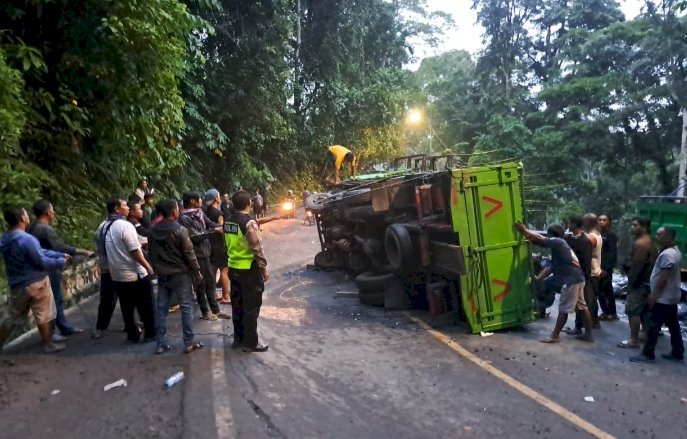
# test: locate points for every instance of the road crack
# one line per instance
(272, 429)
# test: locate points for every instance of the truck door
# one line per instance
(496, 289)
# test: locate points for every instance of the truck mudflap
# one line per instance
(496, 284)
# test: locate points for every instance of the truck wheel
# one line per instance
(399, 248)
(358, 261)
(371, 281)
(371, 298)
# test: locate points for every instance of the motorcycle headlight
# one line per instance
(287, 205)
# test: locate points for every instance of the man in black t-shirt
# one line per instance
(609, 259)
(582, 247)
(568, 278)
(218, 253)
(47, 237)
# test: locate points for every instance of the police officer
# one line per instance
(248, 273)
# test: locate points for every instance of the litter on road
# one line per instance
(174, 379)
(55, 392)
(118, 383)
(589, 398)
(486, 334)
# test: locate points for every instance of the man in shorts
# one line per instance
(642, 258)
(568, 279)
(28, 267)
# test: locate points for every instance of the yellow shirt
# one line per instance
(339, 154)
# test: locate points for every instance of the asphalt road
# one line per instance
(336, 369)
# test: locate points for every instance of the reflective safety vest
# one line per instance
(239, 253)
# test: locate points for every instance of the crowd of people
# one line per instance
(583, 260)
(182, 245)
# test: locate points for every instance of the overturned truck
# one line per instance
(439, 240)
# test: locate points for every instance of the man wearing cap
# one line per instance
(337, 157)
(200, 228)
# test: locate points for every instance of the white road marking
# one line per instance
(224, 418)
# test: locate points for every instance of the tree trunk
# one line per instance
(682, 178)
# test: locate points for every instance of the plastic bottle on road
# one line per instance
(174, 379)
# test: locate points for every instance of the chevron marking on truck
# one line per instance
(498, 204)
(506, 289)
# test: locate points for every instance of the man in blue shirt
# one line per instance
(568, 278)
(28, 267)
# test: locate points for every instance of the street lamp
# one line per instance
(414, 117)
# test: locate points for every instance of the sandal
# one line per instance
(193, 347)
(222, 315)
(224, 302)
(162, 349)
(625, 344)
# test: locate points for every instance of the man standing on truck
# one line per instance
(642, 258)
(663, 300)
(337, 157)
(609, 258)
(568, 278)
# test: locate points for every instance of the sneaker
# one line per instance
(209, 316)
(97, 334)
(58, 338)
(54, 348)
(641, 358)
(260, 347)
(672, 357)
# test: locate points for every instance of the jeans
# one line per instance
(60, 321)
(658, 315)
(108, 302)
(246, 299)
(181, 286)
(606, 296)
(206, 290)
(136, 295)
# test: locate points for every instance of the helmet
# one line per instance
(290, 192)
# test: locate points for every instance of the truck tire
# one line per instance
(317, 201)
(358, 261)
(371, 281)
(371, 298)
(399, 248)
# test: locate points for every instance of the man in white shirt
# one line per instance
(130, 274)
(663, 300)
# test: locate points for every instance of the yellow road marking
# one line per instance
(517, 385)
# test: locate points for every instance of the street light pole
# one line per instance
(431, 134)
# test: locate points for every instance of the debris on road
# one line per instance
(610, 353)
(118, 383)
(486, 334)
(589, 398)
(683, 400)
(174, 379)
(55, 392)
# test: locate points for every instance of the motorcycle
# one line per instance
(288, 209)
